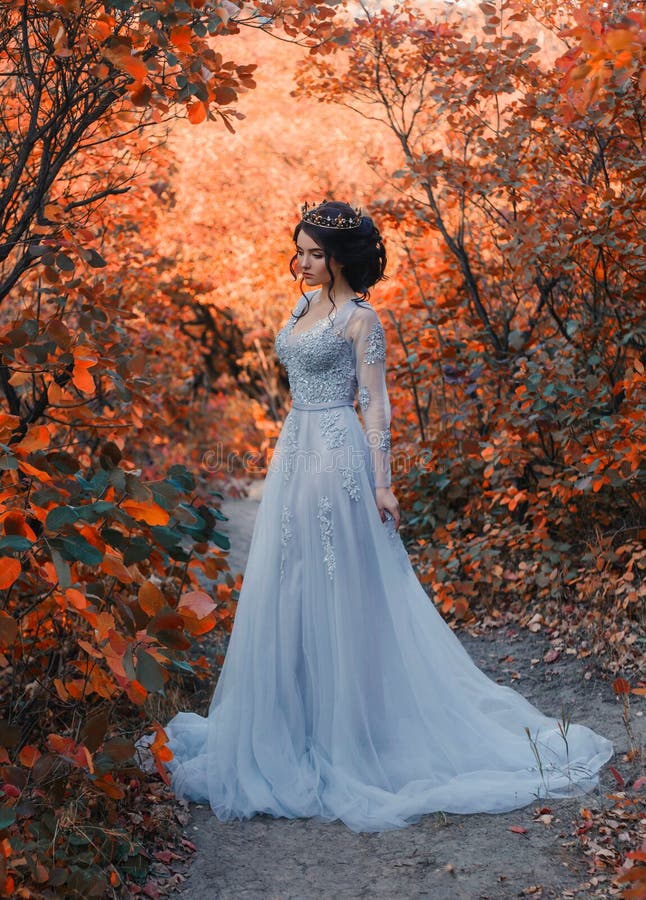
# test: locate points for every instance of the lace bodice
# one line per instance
(332, 359)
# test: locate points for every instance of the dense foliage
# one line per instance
(507, 158)
(519, 308)
(105, 549)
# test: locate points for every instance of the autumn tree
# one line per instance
(518, 203)
(103, 560)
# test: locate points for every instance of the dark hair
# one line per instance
(360, 251)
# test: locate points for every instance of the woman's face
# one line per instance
(310, 259)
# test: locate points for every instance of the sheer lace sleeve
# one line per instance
(369, 344)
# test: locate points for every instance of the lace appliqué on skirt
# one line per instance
(333, 434)
(285, 537)
(327, 533)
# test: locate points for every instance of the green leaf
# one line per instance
(75, 548)
(115, 538)
(64, 262)
(62, 569)
(167, 537)
(182, 665)
(221, 540)
(7, 816)
(8, 461)
(60, 516)
(95, 259)
(166, 494)
(15, 542)
(128, 664)
(137, 550)
(181, 478)
(92, 512)
(149, 672)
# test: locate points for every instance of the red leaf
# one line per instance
(618, 778)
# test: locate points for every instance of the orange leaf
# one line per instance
(90, 650)
(141, 95)
(621, 39)
(61, 690)
(106, 783)
(196, 626)
(81, 377)
(149, 512)
(150, 598)
(15, 522)
(180, 37)
(76, 599)
(133, 65)
(136, 692)
(37, 438)
(114, 566)
(28, 755)
(32, 470)
(196, 112)
(8, 629)
(198, 602)
(8, 425)
(9, 570)
(161, 753)
(77, 754)
(102, 27)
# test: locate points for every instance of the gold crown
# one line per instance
(310, 214)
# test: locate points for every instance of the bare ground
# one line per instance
(446, 857)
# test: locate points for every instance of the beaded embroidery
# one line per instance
(350, 482)
(291, 445)
(333, 433)
(376, 344)
(285, 537)
(319, 362)
(327, 532)
(323, 367)
(384, 440)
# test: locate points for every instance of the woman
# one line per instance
(343, 693)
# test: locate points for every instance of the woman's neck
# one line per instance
(339, 293)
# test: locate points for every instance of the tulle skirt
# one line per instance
(344, 694)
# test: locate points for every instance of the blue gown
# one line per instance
(344, 694)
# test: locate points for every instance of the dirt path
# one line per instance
(448, 857)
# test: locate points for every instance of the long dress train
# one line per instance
(344, 694)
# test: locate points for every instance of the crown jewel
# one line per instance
(312, 215)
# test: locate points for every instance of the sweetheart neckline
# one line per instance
(327, 319)
(297, 334)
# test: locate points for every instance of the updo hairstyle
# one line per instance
(359, 250)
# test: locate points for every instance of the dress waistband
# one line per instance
(330, 404)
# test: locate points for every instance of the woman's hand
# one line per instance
(386, 500)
